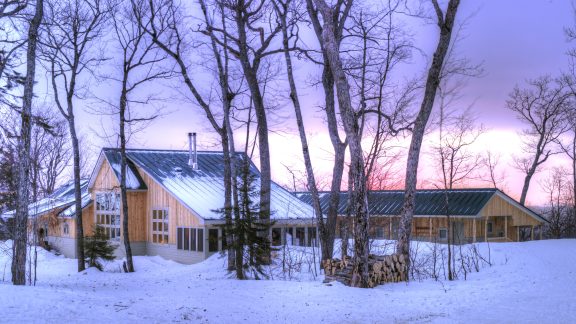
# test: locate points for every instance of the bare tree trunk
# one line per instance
(123, 170)
(446, 24)
(360, 277)
(250, 74)
(21, 217)
(329, 234)
(282, 9)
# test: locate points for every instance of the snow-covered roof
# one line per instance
(202, 190)
(63, 197)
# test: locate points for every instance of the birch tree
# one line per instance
(338, 144)
(24, 139)
(445, 21)
(359, 198)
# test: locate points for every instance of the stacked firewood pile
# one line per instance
(382, 269)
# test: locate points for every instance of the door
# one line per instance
(458, 232)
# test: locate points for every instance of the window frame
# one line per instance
(194, 239)
(445, 230)
(160, 236)
(109, 219)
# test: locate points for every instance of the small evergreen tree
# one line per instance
(97, 247)
(250, 235)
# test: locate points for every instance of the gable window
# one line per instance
(160, 226)
(66, 229)
(443, 233)
(108, 213)
(190, 239)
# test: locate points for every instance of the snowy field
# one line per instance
(532, 282)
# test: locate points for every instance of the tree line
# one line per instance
(250, 51)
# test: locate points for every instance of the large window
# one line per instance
(190, 239)
(108, 213)
(160, 226)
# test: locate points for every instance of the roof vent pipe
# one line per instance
(192, 154)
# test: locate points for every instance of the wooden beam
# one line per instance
(541, 232)
(506, 228)
(474, 231)
(430, 225)
(486, 230)
(532, 234)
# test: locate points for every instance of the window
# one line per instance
(489, 227)
(300, 237)
(108, 213)
(379, 232)
(443, 233)
(66, 229)
(160, 226)
(189, 239)
(276, 236)
(213, 240)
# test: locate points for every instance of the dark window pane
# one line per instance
(186, 239)
(179, 236)
(200, 240)
(300, 239)
(276, 236)
(213, 240)
(193, 239)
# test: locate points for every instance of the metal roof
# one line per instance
(133, 179)
(462, 202)
(202, 190)
(63, 197)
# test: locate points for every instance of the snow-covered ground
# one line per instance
(528, 282)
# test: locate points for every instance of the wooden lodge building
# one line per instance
(476, 215)
(173, 204)
(173, 197)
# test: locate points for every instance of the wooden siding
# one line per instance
(498, 206)
(141, 204)
(105, 180)
(160, 198)
(137, 216)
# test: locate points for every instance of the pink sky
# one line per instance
(514, 40)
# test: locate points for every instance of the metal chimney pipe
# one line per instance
(195, 165)
(190, 159)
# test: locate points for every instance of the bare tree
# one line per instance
(445, 21)
(359, 198)
(51, 154)
(491, 161)
(164, 22)
(560, 203)
(257, 27)
(24, 140)
(284, 9)
(140, 64)
(339, 145)
(541, 106)
(73, 30)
